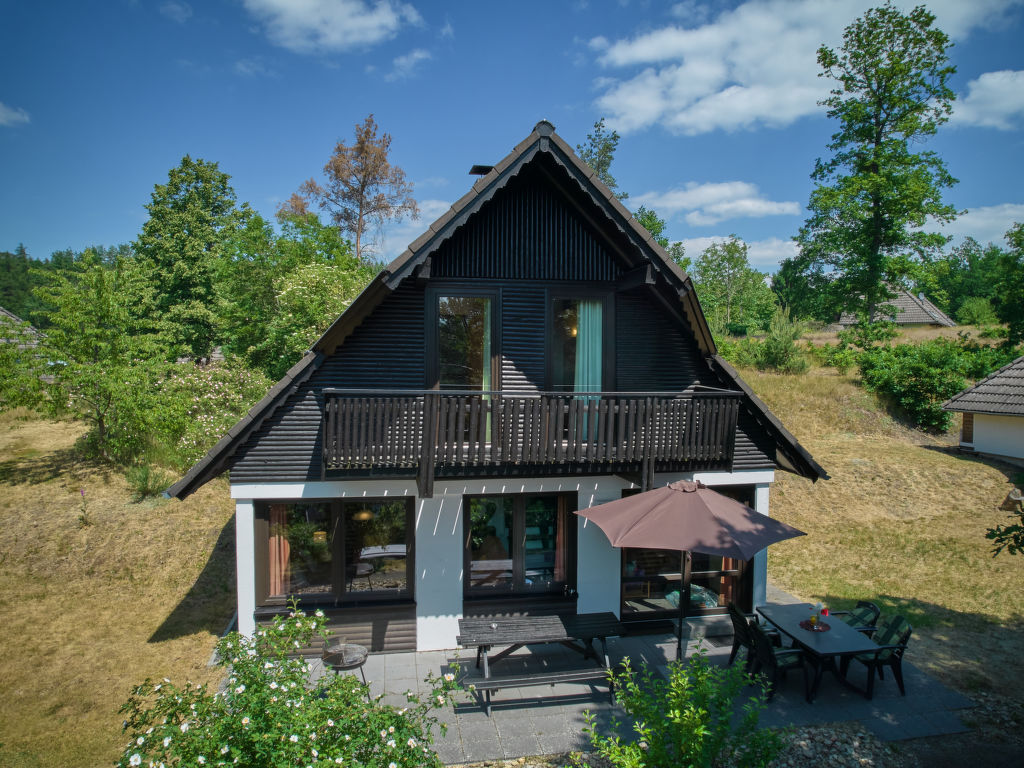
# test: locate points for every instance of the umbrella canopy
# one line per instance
(688, 515)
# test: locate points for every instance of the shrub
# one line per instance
(976, 310)
(691, 719)
(146, 481)
(866, 335)
(779, 350)
(269, 714)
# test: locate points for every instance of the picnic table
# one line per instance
(576, 631)
(820, 648)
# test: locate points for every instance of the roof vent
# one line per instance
(480, 170)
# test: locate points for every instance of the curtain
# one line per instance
(486, 378)
(560, 574)
(587, 376)
(280, 550)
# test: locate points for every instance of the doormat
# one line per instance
(634, 628)
(719, 641)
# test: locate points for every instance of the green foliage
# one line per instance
(194, 406)
(734, 296)
(598, 152)
(874, 195)
(652, 223)
(976, 310)
(778, 351)
(968, 272)
(269, 714)
(1009, 293)
(689, 720)
(1009, 537)
(191, 218)
(147, 481)
(865, 334)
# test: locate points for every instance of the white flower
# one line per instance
(391, 729)
(167, 741)
(440, 699)
(273, 686)
(330, 723)
(184, 726)
(140, 741)
(449, 676)
(293, 738)
(224, 750)
(240, 688)
(135, 759)
(314, 753)
(392, 765)
(391, 742)
(411, 742)
(201, 760)
(245, 720)
(383, 734)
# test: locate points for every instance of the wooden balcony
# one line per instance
(434, 433)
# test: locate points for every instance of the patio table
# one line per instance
(575, 631)
(820, 648)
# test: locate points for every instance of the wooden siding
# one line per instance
(652, 351)
(527, 232)
(522, 338)
(381, 628)
(518, 605)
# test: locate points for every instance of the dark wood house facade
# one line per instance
(534, 352)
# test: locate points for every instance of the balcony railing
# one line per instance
(433, 432)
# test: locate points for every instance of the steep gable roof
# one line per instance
(1001, 393)
(909, 310)
(26, 335)
(632, 243)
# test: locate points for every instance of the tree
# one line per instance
(1009, 293)
(969, 271)
(654, 224)
(732, 293)
(874, 194)
(362, 187)
(804, 290)
(190, 219)
(598, 152)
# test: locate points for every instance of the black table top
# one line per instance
(840, 640)
(510, 630)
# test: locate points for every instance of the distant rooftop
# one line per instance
(1002, 393)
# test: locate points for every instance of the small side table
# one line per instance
(342, 656)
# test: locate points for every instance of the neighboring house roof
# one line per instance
(1001, 394)
(649, 260)
(909, 310)
(27, 339)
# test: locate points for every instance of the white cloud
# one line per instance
(447, 31)
(253, 66)
(986, 224)
(324, 26)
(397, 237)
(752, 65)
(994, 100)
(176, 12)
(763, 255)
(705, 204)
(13, 115)
(405, 66)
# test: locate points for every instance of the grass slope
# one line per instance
(901, 523)
(88, 611)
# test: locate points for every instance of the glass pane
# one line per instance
(300, 549)
(490, 544)
(702, 563)
(713, 591)
(651, 580)
(375, 549)
(563, 345)
(464, 342)
(545, 544)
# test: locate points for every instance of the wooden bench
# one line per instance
(485, 685)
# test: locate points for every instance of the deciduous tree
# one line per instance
(598, 151)
(874, 194)
(1009, 294)
(731, 292)
(361, 187)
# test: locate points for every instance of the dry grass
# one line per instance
(901, 522)
(90, 610)
(909, 335)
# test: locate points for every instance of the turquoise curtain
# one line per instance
(588, 347)
(486, 354)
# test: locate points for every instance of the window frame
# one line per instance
(518, 555)
(576, 292)
(338, 596)
(433, 342)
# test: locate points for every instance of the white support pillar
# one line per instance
(599, 566)
(439, 568)
(760, 581)
(245, 564)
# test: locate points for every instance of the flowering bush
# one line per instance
(691, 719)
(270, 714)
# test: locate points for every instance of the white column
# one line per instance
(439, 565)
(599, 563)
(245, 564)
(761, 558)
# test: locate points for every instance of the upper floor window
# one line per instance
(464, 342)
(577, 345)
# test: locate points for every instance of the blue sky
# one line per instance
(715, 102)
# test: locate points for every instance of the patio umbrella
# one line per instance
(687, 516)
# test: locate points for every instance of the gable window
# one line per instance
(338, 551)
(464, 342)
(577, 340)
(519, 544)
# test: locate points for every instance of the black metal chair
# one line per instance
(774, 662)
(892, 637)
(863, 617)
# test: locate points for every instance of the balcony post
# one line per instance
(428, 448)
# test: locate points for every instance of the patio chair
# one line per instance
(774, 662)
(741, 637)
(892, 637)
(863, 617)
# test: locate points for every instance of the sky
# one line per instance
(715, 102)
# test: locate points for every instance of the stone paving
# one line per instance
(549, 719)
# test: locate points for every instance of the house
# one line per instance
(908, 310)
(993, 414)
(534, 352)
(15, 330)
